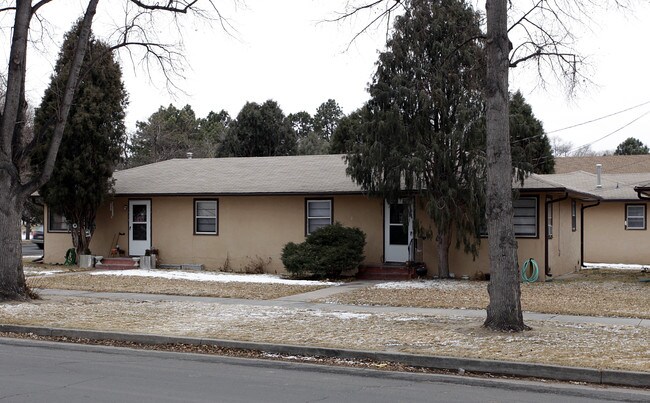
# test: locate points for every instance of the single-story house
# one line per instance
(233, 212)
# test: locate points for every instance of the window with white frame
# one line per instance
(525, 216)
(318, 214)
(205, 217)
(635, 216)
(57, 222)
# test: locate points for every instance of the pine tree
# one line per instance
(91, 145)
(260, 131)
(530, 146)
(426, 132)
(631, 146)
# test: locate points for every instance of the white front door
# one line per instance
(396, 238)
(139, 227)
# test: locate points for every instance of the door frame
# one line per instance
(132, 247)
(389, 249)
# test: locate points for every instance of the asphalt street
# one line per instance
(32, 371)
(31, 250)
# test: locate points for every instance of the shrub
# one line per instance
(326, 252)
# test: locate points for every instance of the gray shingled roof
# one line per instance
(260, 175)
(321, 174)
(614, 186)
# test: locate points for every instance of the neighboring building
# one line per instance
(611, 164)
(229, 212)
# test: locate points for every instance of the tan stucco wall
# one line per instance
(55, 243)
(461, 263)
(564, 246)
(253, 228)
(109, 224)
(607, 240)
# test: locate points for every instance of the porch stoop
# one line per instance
(118, 263)
(386, 272)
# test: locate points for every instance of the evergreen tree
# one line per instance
(327, 117)
(530, 146)
(212, 131)
(426, 134)
(302, 123)
(350, 131)
(631, 146)
(260, 131)
(168, 133)
(91, 145)
(313, 144)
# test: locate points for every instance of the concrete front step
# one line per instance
(118, 263)
(389, 272)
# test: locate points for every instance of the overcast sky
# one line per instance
(280, 50)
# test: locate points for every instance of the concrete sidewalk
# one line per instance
(302, 301)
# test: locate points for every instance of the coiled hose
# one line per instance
(534, 272)
(70, 257)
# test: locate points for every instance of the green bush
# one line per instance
(326, 252)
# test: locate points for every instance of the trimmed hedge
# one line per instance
(326, 252)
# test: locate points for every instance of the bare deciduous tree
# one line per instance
(140, 24)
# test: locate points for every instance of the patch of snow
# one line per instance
(204, 276)
(340, 315)
(426, 284)
(43, 272)
(617, 266)
(407, 319)
(35, 271)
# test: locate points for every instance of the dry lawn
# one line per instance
(149, 285)
(585, 345)
(591, 292)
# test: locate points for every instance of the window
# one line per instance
(549, 218)
(205, 217)
(57, 222)
(525, 217)
(635, 216)
(573, 216)
(318, 214)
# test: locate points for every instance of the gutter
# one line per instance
(582, 231)
(641, 193)
(547, 271)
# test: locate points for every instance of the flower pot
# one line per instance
(86, 261)
(148, 262)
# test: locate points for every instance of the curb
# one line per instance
(527, 370)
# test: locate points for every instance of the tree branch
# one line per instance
(174, 6)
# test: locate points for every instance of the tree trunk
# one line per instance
(443, 242)
(12, 279)
(14, 193)
(504, 310)
(80, 241)
(28, 230)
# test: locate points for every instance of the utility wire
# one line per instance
(600, 118)
(543, 159)
(581, 124)
(611, 133)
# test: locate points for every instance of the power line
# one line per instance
(615, 131)
(580, 124)
(600, 118)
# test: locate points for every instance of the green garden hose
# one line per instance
(70, 257)
(534, 275)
